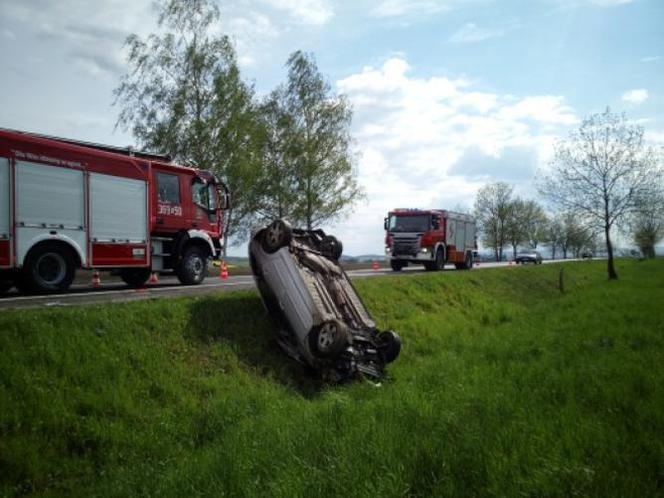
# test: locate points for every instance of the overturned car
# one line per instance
(320, 319)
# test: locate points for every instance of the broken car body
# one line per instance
(320, 318)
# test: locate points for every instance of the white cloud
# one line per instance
(610, 3)
(305, 11)
(433, 141)
(394, 8)
(636, 96)
(471, 33)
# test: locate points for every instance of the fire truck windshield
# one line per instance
(409, 223)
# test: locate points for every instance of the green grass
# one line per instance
(504, 387)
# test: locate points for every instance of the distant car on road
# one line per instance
(529, 257)
(320, 318)
(587, 255)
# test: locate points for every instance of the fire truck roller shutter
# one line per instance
(5, 213)
(50, 205)
(119, 221)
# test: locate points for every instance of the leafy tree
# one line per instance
(492, 211)
(647, 226)
(554, 233)
(601, 172)
(278, 195)
(184, 97)
(515, 224)
(535, 223)
(319, 144)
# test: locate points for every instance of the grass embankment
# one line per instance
(504, 387)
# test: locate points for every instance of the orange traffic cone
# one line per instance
(375, 265)
(154, 279)
(223, 273)
(96, 281)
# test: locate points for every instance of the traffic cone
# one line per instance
(375, 265)
(154, 279)
(96, 281)
(223, 273)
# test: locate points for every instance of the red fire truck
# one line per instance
(432, 237)
(66, 204)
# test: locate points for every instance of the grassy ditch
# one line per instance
(504, 387)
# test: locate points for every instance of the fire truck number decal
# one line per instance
(169, 210)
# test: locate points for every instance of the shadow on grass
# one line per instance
(240, 321)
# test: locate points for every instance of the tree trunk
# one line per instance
(553, 251)
(227, 225)
(513, 251)
(609, 252)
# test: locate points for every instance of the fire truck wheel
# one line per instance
(47, 269)
(5, 285)
(439, 262)
(468, 262)
(396, 265)
(135, 277)
(276, 235)
(389, 345)
(329, 339)
(192, 268)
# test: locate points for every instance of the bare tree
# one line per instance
(601, 172)
(492, 209)
(554, 233)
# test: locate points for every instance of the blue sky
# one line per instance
(448, 94)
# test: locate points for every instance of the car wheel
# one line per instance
(135, 277)
(333, 247)
(329, 339)
(192, 268)
(276, 235)
(396, 265)
(47, 269)
(389, 345)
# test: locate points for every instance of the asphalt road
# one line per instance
(168, 286)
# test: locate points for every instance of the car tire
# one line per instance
(329, 339)
(396, 265)
(192, 267)
(333, 247)
(48, 269)
(135, 277)
(389, 345)
(276, 235)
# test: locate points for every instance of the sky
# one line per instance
(447, 95)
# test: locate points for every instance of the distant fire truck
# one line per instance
(66, 204)
(432, 237)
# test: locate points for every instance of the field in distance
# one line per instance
(504, 387)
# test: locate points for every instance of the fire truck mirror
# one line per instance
(225, 200)
(385, 223)
(435, 223)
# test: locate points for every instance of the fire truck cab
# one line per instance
(67, 204)
(433, 238)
